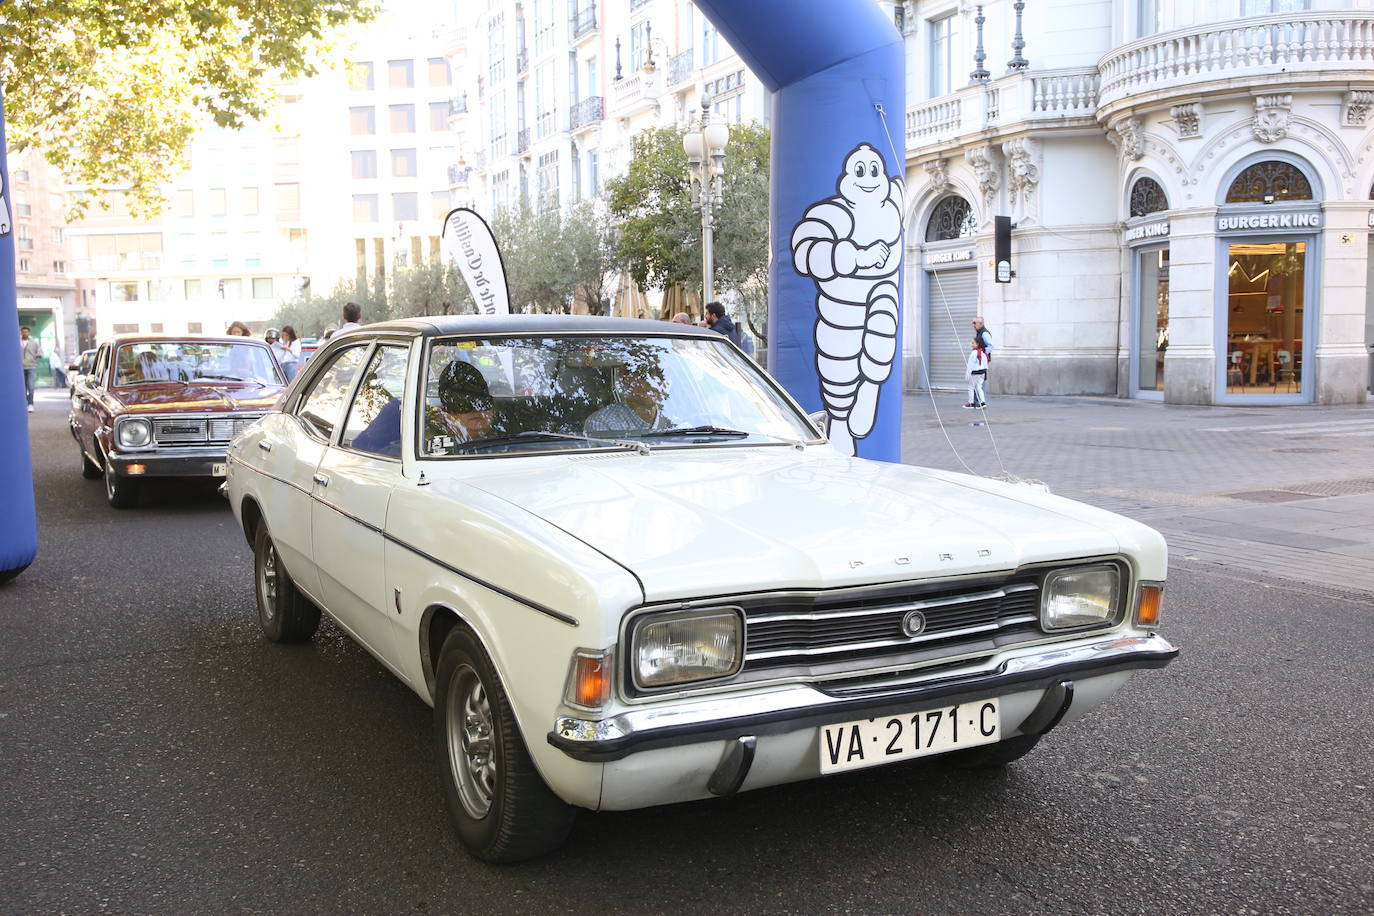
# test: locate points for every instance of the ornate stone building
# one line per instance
(1190, 188)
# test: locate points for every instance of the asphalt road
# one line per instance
(158, 756)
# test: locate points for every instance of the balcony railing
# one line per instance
(584, 22)
(458, 105)
(522, 141)
(680, 67)
(1045, 98)
(458, 174)
(587, 111)
(1258, 46)
(522, 61)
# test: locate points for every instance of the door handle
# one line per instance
(321, 479)
(264, 445)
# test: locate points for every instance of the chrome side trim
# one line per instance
(789, 710)
(888, 643)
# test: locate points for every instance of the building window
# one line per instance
(593, 86)
(1147, 197)
(59, 267)
(25, 266)
(20, 175)
(710, 43)
(543, 100)
(125, 328)
(405, 207)
(400, 74)
(262, 288)
(364, 163)
(231, 288)
(365, 208)
(248, 197)
(952, 218)
(593, 173)
(440, 74)
(498, 116)
(191, 289)
(362, 121)
(403, 163)
(543, 26)
(547, 178)
(1267, 7)
(500, 191)
(25, 238)
(438, 116)
(496, 50)
(124, 291)
(219, 202)
(941, 56)
(1147, 18)
(639, 42)
(439, 204)
(360, 75)
(22, 207)
(402, 119)
(194, 327)
(1268, 182)
(288, 200)
(59, 235)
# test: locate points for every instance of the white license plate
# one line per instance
(871, 742)
(220, 470)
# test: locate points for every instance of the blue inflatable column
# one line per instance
(839, 153)
(18, 522)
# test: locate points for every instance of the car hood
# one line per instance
(179, 397)
(719, 521)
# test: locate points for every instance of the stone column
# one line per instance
(1340, 354)
(1190, 361)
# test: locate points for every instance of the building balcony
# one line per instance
(635, 93)
(585, 113)
(458, 105)
(680, 67)
(522, 61)
(1043, 100)
(1307, 47)
(522, 141)
(583, 23)
(458, 175)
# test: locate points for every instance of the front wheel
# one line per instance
(500, 806)
(284, 614)
(89, 469)
(122, 492)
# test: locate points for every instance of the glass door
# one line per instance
(1152, 318)
(1264, 320)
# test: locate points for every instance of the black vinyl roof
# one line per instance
(445, 325)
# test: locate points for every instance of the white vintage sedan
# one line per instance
(626, 569)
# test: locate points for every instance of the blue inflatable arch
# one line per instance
(838, 73)
(18, 522)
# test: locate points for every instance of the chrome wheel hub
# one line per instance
(471, 750)
(267, 583)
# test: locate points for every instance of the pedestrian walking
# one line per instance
(352, 313)
(288, 349)
(984, 335)
(977, 371)
(59, 368)
(29, 355)
(718, 321)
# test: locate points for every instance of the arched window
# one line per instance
(1147, 197)
(1269, 181)
(952, 219)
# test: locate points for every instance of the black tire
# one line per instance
(122, 492)
(9, 574)
(89, 469)
(500, 806)
(993, 756)
(284, 614)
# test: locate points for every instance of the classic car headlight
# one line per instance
(683, 647)
(135, 433)
(1080, 597)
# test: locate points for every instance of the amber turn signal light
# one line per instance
(589, 681)
(136, 469)
(1148, 607)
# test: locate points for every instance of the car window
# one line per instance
(322, 404)
(152, 362)
(100, 363)
(374, 419)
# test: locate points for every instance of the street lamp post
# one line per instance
(705, 148)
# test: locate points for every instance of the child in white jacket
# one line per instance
(977, 371)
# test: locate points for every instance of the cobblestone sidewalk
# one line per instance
(1284, 493)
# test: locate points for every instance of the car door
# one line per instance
(353, 486)
(295, 444)
(84, 402)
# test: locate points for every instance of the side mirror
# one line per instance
(821, 419)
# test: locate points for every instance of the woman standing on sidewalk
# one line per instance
(287, 346)
(977, 372)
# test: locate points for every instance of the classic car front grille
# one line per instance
(198, 430)
(824, 630)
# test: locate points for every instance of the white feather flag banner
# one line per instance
(468, 242)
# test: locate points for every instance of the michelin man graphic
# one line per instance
(851, 246)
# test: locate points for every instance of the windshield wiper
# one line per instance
(545, 435)
(719, 431)
(227, 378)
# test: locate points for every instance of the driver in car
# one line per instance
(464, 410)
(637, 406)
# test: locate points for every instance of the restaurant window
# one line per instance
(952, 218)
(1268, 182)
(1147, 197)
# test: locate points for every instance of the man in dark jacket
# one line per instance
(718, 321)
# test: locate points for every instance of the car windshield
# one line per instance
(194, 361)
(545, 393)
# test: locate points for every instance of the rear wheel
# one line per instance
(284, 614)
(499, 804)
(122, 492)
(992, 756)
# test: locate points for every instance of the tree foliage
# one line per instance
(660, 231)
(112, 93)
(553, 260)
(410, 291)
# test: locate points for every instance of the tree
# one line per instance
(409, 291)
(537, 263)
(112, 93)
(590, 238)
(660, 231)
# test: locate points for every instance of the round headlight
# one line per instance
(135, 433)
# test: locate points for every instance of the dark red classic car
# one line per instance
(167, 407)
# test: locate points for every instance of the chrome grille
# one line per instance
(222, 429)
(832, 630)
(174, 430)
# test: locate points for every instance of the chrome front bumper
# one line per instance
(785, 709)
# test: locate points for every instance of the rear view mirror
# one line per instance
(821, 419)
